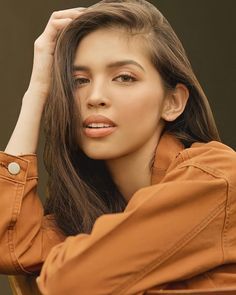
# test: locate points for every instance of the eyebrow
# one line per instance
(111, 65)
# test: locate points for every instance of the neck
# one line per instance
(132, 171)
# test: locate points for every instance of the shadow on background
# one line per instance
(206, 28)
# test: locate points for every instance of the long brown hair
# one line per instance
(81, 189)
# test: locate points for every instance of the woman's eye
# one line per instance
(78, 82)
(125, 78)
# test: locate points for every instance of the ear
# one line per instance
(175, 102)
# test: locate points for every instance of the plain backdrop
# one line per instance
(207, 29)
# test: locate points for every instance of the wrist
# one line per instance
(33, 102)
(38, 89)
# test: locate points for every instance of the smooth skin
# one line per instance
(25, 136)
(132, 96)
(120, 82)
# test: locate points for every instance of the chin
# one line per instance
(99, 155)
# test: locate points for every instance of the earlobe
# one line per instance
(175, 102)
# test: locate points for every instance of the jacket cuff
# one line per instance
(18, 168)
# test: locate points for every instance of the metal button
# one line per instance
(13, 168)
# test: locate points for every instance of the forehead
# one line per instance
(112, 43)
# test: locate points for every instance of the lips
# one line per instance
(98, 120)
(98, 126)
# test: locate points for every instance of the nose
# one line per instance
(97, 97)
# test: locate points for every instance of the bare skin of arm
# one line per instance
(24, 138)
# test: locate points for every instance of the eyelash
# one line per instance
(130, 77)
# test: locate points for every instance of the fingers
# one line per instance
(54, 27)
(68, 13)
(44, 47)
(59, 20)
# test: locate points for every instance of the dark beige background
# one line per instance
(207, 29)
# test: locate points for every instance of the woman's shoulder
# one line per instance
(213, 157)
(213, 152)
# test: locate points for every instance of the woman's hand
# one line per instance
(44, 48)
(25, 136)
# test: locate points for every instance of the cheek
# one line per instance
(144, 107)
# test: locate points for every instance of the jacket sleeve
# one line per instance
(169, 231)
(26, 235)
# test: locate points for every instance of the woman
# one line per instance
(141, 191)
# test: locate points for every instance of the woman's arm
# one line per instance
(170, 231)
(25, 136)
(26, 236)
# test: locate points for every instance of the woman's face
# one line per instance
(115, 79)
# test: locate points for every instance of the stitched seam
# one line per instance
(169, 253)
(223, 240)
(213, 172)
(10, 235)
(18, 181)
(12, 180)
(32, 177)
(218, 174)
(226, 224)
(11, 230)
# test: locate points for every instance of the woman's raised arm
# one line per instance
(26, 235)
(25, 136)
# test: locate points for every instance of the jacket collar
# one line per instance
(167, 150)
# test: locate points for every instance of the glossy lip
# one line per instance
(99, 132)
(98, 119)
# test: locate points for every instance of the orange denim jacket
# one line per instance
(177, 234)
